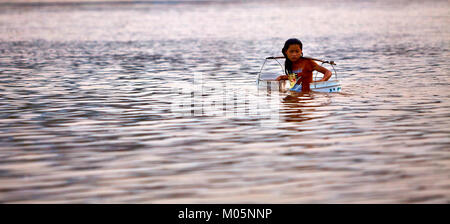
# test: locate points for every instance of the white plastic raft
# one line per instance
(324, 87)
(330, 86)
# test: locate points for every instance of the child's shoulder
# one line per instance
(310, 62)
(307, 60)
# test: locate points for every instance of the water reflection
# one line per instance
(297, 107)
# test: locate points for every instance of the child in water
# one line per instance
(298, 69)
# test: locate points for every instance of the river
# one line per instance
(157, 103)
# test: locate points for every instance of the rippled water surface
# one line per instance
(157, 103)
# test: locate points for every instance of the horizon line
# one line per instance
(102, 2)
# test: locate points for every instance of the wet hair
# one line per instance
(288, 63)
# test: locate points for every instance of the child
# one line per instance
(298, 69)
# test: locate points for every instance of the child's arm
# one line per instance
(326, 73)
(282, 77)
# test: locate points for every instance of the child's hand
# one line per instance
(281, 77)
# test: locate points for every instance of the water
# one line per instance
(157, 103)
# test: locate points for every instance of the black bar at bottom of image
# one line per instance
(219, 213)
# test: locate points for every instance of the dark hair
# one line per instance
(288, 63)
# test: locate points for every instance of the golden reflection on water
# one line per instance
(296, 107)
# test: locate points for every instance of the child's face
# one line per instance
(294, 52)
